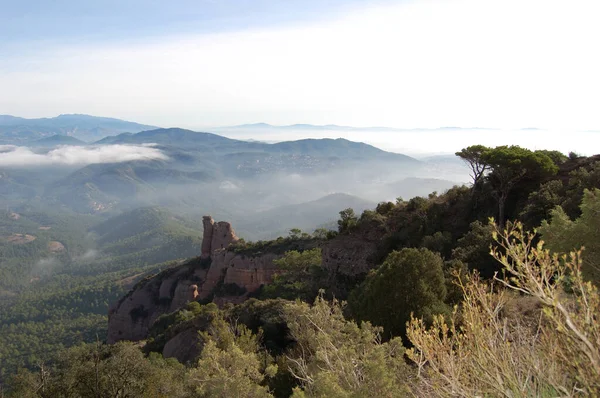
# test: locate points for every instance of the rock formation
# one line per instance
(204, 278)
(208, 224)
(216, 236)
(222, 275)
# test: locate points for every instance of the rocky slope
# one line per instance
(218, 274)
(225, 274)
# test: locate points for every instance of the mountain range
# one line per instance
(23, 131)
(18, 130)
(258, 185)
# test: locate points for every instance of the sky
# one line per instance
(432, 63)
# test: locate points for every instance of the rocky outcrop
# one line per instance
(354, 253)
(55, 247)
(185, 346)
(223, 274)
(247, 272)
(208, 224)
(216, 236)
(218, 275)
(132, 316)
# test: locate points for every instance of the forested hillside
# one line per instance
(58, 274)
(403, 299)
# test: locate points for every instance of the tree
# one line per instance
(228, 372)
(298, 275)
(295, 233)
(557, 157)
(409, 281)
(320, 233)
(384, 208)
(473, 156)
(510, 165)
(230, 364)
(561, 234)
(541, 202)
(580, 179)
(473, 249)
(347, 221)
(98, 370)
(439, 242)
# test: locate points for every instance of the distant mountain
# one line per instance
(103, 187)
(216, 144)
(17, 130)
(8, 120)
(171, 136)
(56, 140)
(201, 158)
(16, 184)
(335, 147)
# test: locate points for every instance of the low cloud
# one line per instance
(44, 267)
(45, 263)
(228, 186)
(11, 155)
(88, 255)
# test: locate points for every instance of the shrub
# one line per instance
(482, 352)
(338, 358)
(409, 281)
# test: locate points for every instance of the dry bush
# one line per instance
(482, 352)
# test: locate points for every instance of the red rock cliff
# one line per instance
(200, 278)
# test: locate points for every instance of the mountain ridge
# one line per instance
(309, 146)
(15, 129)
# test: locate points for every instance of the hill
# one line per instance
(222, 170)
(102, 187)
(56, 140)
(17, 130)
(216, 144)
(140, 221)
(150, 235)
(171, 136)
(49, 299)
(336, 147)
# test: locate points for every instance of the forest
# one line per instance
(52, 300)
(487, 290)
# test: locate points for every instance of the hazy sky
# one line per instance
(487, 63)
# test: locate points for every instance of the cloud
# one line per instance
(228, 186)
(45, 263)
(431, 63)
(11, 155)
(88, 255)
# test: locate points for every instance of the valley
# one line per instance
(74, 237)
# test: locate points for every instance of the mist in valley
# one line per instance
(262, 192)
